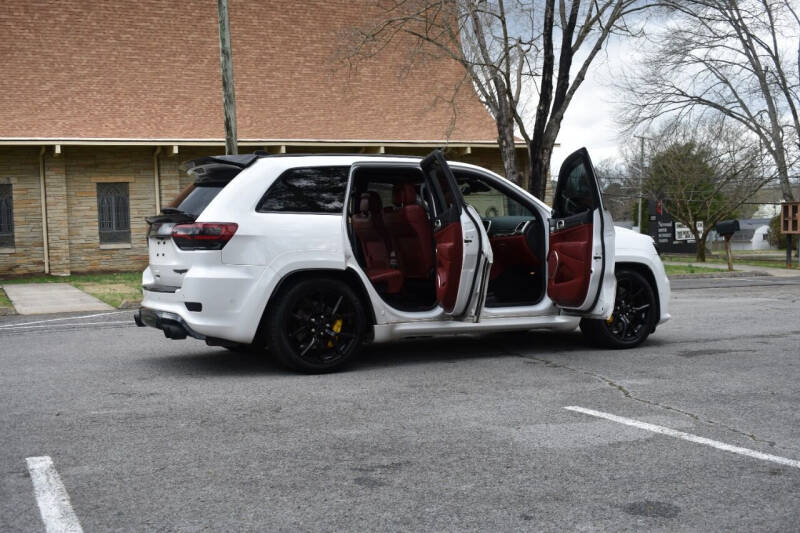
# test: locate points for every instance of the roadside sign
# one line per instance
(670, 236)
(683, 233)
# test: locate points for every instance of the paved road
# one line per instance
(464, 434)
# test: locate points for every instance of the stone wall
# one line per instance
(88, 166)
(71, 179)
(19, 166)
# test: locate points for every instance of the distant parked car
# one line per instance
(313, 255)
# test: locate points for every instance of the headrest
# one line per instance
(404, 194)
(370, 203)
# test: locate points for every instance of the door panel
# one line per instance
(580, 261)
(511, 251)
(459, 236)
(569, 265)
(448, 264)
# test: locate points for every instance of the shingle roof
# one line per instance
(150, 70)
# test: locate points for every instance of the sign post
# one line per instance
(790, 226)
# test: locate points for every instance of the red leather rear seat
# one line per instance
(369, 228)
(411, 232)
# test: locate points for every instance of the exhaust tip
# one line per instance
(172, 331)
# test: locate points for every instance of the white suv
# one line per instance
(310, 256)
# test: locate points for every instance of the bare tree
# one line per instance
(704, 171)
(620, 186)
(508, 50)
(728, 57)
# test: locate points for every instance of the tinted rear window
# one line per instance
(307, 190)
(198, 198)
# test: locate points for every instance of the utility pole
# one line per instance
(641, 178)
(228, 96)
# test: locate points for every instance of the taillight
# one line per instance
(203, 235)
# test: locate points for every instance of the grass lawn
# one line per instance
(111, 288)
(690, 269)
(747, 259)
(4, 301)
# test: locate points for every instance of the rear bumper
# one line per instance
(221, 302)
(173, 326)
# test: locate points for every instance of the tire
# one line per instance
(633, 318)
(317, 325)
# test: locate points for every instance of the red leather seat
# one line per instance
(411, 232)
(371, 233)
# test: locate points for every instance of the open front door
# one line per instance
(458, 235)
(580, 262)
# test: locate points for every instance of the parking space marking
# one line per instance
(52, 497)
(63, 318)
(685, 436)
(82, 324)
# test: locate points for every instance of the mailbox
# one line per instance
(726, 228)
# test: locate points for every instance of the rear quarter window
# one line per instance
(197, 198)
(307, 190)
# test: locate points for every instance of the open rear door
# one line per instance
(580, 261)
(458, 235)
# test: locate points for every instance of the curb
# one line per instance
(722, 274)
(130, 304)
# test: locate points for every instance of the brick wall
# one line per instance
(19, 166)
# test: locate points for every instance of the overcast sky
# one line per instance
(590, 117)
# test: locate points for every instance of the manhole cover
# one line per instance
(652, 509)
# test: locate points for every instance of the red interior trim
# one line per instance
(510, 251)
(569, 264)
(449, 253)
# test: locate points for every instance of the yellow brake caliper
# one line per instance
(337, 327)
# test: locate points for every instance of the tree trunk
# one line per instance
(540, 164)
(783, 174)
(700, 255)
(505, 139)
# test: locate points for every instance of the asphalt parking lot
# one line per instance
(460, 434)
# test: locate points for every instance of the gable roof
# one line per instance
(150, 70)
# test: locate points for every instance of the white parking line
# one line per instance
(130, 323)
(63, 318)
(52, 497)
(686, 436)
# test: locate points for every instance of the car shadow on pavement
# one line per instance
(464, 348)
(217, 362)
(547, 345)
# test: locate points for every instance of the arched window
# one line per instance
(113, 213)
(6, 217)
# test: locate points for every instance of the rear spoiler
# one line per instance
(218, 168)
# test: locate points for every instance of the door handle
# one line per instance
(467, 241)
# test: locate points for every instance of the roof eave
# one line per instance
(123, 141)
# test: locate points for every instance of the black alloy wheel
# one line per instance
(317, 325)
(633, 317)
